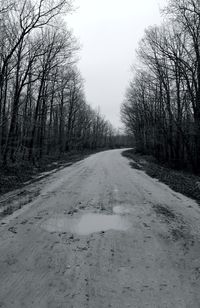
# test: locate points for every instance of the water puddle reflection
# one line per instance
(87, 224)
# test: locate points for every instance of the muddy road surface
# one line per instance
(101, 234)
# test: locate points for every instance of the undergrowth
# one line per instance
(180, 181)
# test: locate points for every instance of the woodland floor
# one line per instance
(181, 181)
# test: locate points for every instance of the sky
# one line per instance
(109, 32)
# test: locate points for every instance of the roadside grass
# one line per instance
(16, 175)
(183, 182)
(15, 178)
(16, 201)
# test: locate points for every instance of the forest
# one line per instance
(43, 108)
(162, 103)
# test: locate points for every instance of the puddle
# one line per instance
(86, 224)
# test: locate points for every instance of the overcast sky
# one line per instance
(109, 31)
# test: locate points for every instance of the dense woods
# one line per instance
(162, 104)
(43, 109)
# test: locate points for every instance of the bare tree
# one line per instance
(161, 107)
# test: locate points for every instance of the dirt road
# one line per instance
(99, 235)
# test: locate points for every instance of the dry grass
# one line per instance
(183, 182)
(14, 176)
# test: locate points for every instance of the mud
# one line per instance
(164, 211)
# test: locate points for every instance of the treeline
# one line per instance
(43, 109)
(162, 104)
